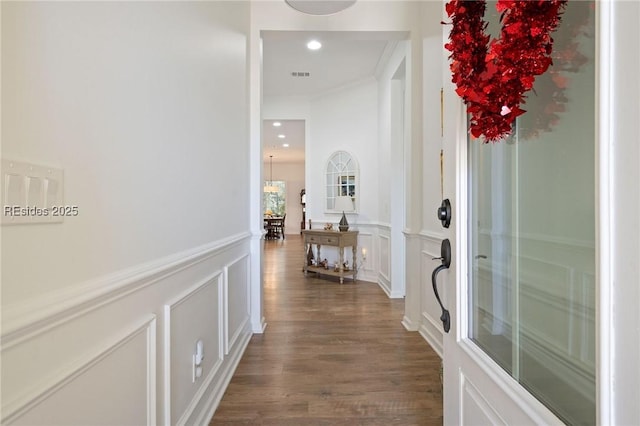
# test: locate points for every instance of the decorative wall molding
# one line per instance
(432, 333)
(429, 255)
(37, 315)
(361, 226)
(408, 324)
(219, 386)
(18, 407)
(385, 258)
(237, 334)
(231, 336)
(188, 413)
(430, 329)
(434, 237)
(214, 279)
(385, 285)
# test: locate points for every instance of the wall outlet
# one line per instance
(197, 358)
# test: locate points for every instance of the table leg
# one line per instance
(353, 261)
(305, 265)
(341, 264)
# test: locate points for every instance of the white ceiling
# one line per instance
(272, 145)
(345, 58)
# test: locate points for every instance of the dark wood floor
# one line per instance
(332, 354)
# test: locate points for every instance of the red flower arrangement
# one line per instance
(551, 87)
(492, 77)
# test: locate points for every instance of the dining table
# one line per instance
(274, 226)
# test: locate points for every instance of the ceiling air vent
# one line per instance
(300, 74)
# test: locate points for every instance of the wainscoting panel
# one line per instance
(384, 260)
(87, 392)
(237, 307)
(366, 267)
(194, 315)
(430, 324)
(88, 360)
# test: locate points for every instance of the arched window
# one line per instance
(342, 182)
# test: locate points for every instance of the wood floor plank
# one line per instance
(332, 354)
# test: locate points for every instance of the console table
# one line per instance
(338, 239)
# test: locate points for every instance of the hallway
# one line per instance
(331, 355)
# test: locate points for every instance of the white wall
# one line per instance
(344, 120)
(89, 89)
(137, 103)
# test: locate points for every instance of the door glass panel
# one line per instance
(532, 232)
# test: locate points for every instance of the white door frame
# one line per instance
(618, 216)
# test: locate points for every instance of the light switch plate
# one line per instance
(31, 193)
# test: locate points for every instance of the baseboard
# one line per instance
(258, 328)
(430, 331)
(219, 387)
(408, 324)
(384, 288)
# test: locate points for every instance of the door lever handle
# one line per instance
(445, 257)
(445, 317)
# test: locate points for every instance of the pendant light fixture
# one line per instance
(270, 187)
(320, 7)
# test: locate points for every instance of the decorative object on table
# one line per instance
(336, 267)
(303, 202)
(343, 203)
(343, 225)
(328, 226)
(492, 76)
(310, 259)
(345, 265)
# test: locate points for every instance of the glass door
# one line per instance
(532, 233)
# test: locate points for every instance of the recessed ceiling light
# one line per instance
(277, 124)
(285, 145)
(281, 136)
(314, 45)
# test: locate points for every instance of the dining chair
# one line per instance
(279, 227)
